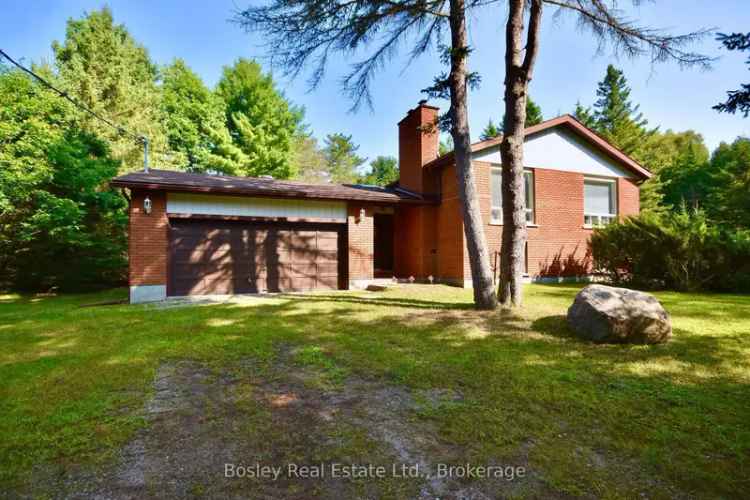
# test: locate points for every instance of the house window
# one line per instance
(528, 185)
(496, 210)
(599, 202)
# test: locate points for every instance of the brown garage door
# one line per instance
(221, 257)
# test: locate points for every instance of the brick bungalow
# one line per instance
(194, 234)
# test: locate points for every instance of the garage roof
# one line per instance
(182, 181)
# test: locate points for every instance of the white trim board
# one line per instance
(245, 206)
(559, 149)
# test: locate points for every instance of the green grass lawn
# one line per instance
(73, 378)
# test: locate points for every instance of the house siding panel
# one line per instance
(561, 150)
(244, 206)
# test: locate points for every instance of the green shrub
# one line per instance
(679, 251)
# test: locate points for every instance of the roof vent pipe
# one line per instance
(144, 139)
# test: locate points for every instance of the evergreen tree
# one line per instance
(737, 100)
(615, 117)
(445, 146)
(309, 160)
(490, 131)
(584, 115)
(103, 67)
(261, 122)
(620, 123)
(729, 184)
(533, 113)
(533, 117)
(59, 223)
(383, 171)
(341, 157)
(194, 120)
(673, 158)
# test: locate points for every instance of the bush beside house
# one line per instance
(680, 250)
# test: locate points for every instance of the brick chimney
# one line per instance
(416, 146)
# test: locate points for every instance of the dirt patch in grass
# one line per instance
(201, 418)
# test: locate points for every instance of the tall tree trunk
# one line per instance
(518, 69)
(476, 242)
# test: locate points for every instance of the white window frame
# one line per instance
(530, 212)
(591, 220)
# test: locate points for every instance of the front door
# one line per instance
(383, 245)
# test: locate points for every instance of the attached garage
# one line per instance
(226, 257)
(196, 234)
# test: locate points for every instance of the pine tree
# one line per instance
(261, 122)
(490, 131)
(676, 160)
(727, 188)
(584, 115)
(619, 121)
(533, 113)
(309, 160)
(739, 99)
(615, 117)
(533, 117)
(194, 120)
(342, 159)
(445, 146)
(103, 67)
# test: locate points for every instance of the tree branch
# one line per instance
(303, 32)
(532, 43)
(608, 24)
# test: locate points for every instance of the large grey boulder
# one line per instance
(618, 315)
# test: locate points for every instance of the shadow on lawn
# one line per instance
(524, 380)
(554, 326)
(379, 301)
(440, 322)
(684, 346)
(575, 384)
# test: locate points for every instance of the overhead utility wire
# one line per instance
(142, 139)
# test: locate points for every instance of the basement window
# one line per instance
(496, 210)
(599, 202)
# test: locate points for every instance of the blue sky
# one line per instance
(567, 69)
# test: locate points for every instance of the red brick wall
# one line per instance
(415, 252)
(361, 241)
(406, 252)
(450, 230)
(628, 197)
(148, 244)
(558, 243)
(430, 239)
